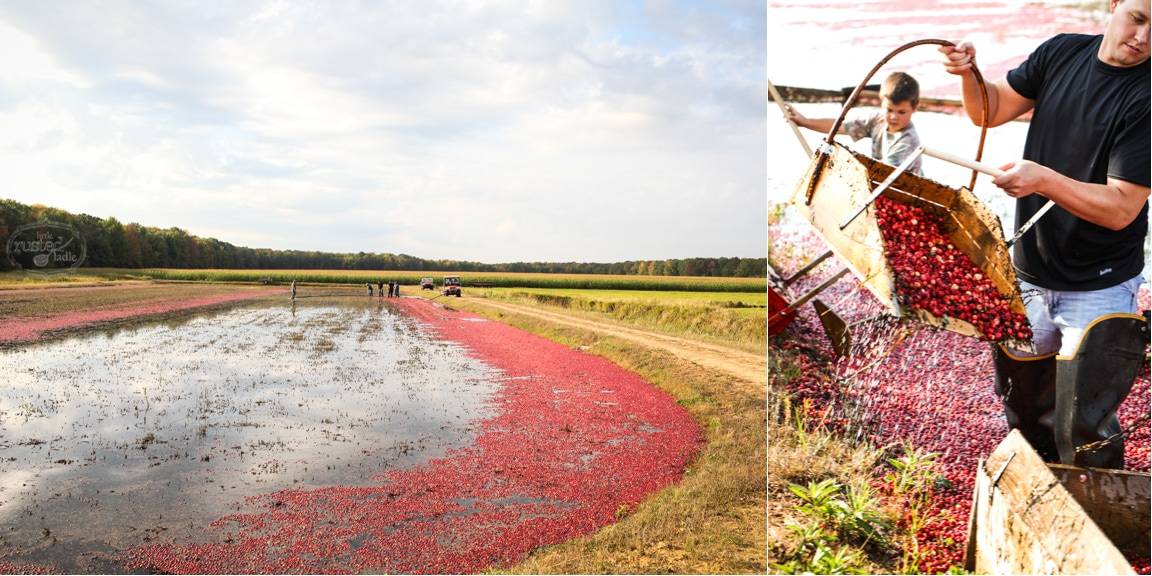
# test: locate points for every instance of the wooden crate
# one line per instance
(1029, 517)
(846, 180)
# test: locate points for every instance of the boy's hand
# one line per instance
(795, 117)
(959, 57)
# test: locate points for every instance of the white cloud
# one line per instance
(24, 61)
(467, 130)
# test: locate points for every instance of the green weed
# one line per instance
(834, 513)
(912, 481)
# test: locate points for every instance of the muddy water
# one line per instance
(115, 440)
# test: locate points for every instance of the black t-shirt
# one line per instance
(1090, 123)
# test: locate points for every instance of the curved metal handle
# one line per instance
(860, 88)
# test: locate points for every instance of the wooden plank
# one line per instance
(970, 545)
(872, 98)
(843, 186)
(1119, 501)
(1029, 524)
(866, 97)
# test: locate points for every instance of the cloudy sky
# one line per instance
(491, 131)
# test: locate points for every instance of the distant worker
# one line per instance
(380, 286)
(293, 289)
(396, 289)
(890, 128)
(369, 285)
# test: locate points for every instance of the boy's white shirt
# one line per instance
(870, 124)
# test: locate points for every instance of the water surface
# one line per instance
(112, 440)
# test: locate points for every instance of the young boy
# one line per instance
(891, 130)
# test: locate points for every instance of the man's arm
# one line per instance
(1004, 103)
(1113, 205)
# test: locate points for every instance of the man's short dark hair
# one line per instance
(900, 87)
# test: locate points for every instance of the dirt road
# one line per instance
(751, 368)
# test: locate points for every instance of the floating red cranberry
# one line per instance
(573, 440)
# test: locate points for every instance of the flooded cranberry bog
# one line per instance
(339, 434)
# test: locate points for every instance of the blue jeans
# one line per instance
(1059, 317)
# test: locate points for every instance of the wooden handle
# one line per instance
(784, 111)
(969, 164)
(994, 172)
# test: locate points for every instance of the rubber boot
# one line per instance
(1027, 388)
(1091, 384)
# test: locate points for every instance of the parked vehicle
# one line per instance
(426, 283)
(452, 286)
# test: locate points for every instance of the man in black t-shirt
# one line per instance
(1080, 265)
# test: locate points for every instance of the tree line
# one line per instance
(112, 244)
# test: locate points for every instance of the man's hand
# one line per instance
(1024, 177)
(1004, 103)
(1112, 205)
(959, 57)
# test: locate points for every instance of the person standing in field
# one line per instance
(1080, 265)
(890, 128)
(293, 289)
(380, 287)
(369, 286)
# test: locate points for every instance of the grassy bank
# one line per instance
(20, 280)
(96, 296)
(412, 277)
(836, 503)
(798, 453)
(713, 521)
(733, 318)
(747, 301)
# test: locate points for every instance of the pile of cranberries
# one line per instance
(932, 389)
(935, 276)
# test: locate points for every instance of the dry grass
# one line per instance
(799, 452)
(702, 320)
(22, 280)
(52, 299)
